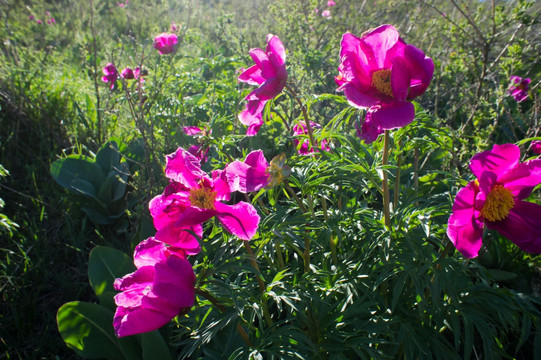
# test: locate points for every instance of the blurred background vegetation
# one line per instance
(53, 104)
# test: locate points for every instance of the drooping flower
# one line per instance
(165, 43)
(269, 72)
(255, 173)
(381, 72)
(160, 288)
(193, 198)
(127, 74)
(536, 146)
(326, 13)
(110, 75)
(199, 150)
(305, 148)
(495, 199)
(519, 88)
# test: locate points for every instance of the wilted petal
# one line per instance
(240, 219)
(522, 226)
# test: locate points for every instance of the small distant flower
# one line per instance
(39, 22)
(111, 75)
(127, 74)
(31, 17)
(51, 21)
(330, 3)
(160, 288)
(269, 72)
(495, 199)
(326, 13)
(519, 88)
(199, 151)
(47, 13)
(174, 27)
(122, 5)
(379, 71)
(305, 148)
(536, 146)
(165, 43)
(194, 198)
(316, 10)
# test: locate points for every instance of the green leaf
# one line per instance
(108, 157)
(155, 347)
(105, 264)
(88, 330)
(68, 170)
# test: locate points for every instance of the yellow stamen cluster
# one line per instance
(203, 198)
(277, 171)
(381, 80)
(498, 203)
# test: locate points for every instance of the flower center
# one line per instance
(203, 198)
(381, 80)
(498, 203)
(277, 171)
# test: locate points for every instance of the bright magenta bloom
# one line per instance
(326, 13)
(306, 149)
(110, 75)
(381, 72)
(519, 88)
(269, 72)
(193, 198)
(536, 146)
(330, 3)
(495, 200)
(161, 287)
(165, 43)
(255, 173)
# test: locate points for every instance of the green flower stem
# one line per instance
(306, 254)
(397, 179)
(262, 286)
(385, 161)
(222, 309)
(305, 114)
(331, 241)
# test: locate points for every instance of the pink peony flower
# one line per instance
(127, 74)
(111, 75)
(519, 88)
(199, 151)
(326, 13)
(330, 3)
(161, 287)
(269, 72)
(305, 148)
(536, 146)
(39, 22)
(165, 43)
(193, 198)
(379, 71)
(495, 200)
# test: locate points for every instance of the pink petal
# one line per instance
(220, 184)
(420, 68)
(463, 228)
(249, 175)
(522, 226)
(356, 98)
(241, 219)
(149, 252)
(523, 178)
(270, 88)
(262, 62)
(184, 168)
(499, 160)
(165, 209)
(393, 115)
(377, 43)
(276, 51)
(191, 130)
(252, 76)
(182, 237)
(174, 282)
(370, 129)
(194, 216)
(138, 320)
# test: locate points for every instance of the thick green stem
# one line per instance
(385, 161)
